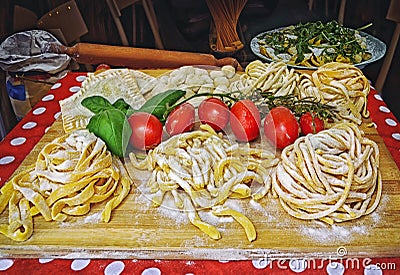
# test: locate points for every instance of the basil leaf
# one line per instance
(97, 104)
(120, 104)
(159, 104)
(113, 128)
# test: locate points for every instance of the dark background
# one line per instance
(185, 26)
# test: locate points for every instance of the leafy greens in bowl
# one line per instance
(313, 44)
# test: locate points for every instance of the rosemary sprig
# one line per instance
(297, 106)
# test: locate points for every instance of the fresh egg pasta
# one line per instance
(201, 170)
(71, 173)
(332, 176)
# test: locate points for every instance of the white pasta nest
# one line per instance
(332, 176)
(201, 170)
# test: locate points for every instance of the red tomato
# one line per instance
(181, 119)
(311, 124)
(281, 127)
(102, 67)
(146, 130)
(245, 120)
(214, 112)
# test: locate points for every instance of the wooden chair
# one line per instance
(65, 22)
(23, 19)
(116, 6)
(393, 14)
(342, 7)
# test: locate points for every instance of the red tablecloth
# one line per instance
(20, 141)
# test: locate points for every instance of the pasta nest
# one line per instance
(341, 85)
(201, 171)
(332, 176)
(275, 77)
(71, 173)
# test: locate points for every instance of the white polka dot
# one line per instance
(335, 268)
(390, 122)
(18, 141)
(45, 261)
(372, 270)
(378, 97)
(115, 268)
(48, 97)
(56, 86)
(39, 111)
(77, 265)
(260, 263)
(298, 265)
(29, 125)
(384, 109)
(47, 129)
(223, 262)
(57, 115)
(396, 136)
(63, 74)
(6, 160)
(5, 264)
(74, 89)
(80, 78)
(151, 271)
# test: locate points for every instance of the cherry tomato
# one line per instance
(146, 130)
(181, 119)
(245, 120)
(281, 127)
(102, 67)
(311, 124)
(214, 112)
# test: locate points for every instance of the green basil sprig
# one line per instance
(159, 105)
(113, 128)
(97, 104)
(110, 122)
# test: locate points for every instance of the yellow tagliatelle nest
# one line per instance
(344, 86)
(332, 176)
(71, 173)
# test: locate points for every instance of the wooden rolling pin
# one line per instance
(139, 58)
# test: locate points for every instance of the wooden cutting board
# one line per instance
(137, 230)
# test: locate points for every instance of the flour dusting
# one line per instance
(326, 234)
(196, 241)
(94, 218)
(89, 219)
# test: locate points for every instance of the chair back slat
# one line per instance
(394, 11)
(66, 18)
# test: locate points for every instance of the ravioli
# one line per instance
(111, 84)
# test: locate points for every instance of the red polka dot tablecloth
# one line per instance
(20, 141)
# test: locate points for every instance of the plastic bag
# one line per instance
(26, 52)
(31, 69)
